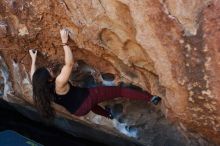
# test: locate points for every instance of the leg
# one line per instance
(100, 111)
(104, 93)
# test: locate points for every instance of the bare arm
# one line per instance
(33, 63)
(63, 78)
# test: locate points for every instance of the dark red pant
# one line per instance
(105, 93)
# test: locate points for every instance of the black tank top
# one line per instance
(73, 99)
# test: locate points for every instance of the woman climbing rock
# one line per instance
(79, 101)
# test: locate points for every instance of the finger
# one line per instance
(61, 31)
(31, 52)
(68, 31)
(64, 30)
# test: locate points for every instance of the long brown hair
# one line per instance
(43, 92)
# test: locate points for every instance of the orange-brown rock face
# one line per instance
(168, 47)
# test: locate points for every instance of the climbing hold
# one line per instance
(3, 29)
(108, 77)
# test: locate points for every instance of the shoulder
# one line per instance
(62, 90)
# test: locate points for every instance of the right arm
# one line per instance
(63, 78)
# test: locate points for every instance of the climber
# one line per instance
(78, 101)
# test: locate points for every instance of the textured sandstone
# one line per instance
(168, 47)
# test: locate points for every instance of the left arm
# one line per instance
(33, 55)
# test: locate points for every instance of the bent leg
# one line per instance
(104, 93)
(135, 94)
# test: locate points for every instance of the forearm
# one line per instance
(68, 55)
(33, 67)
